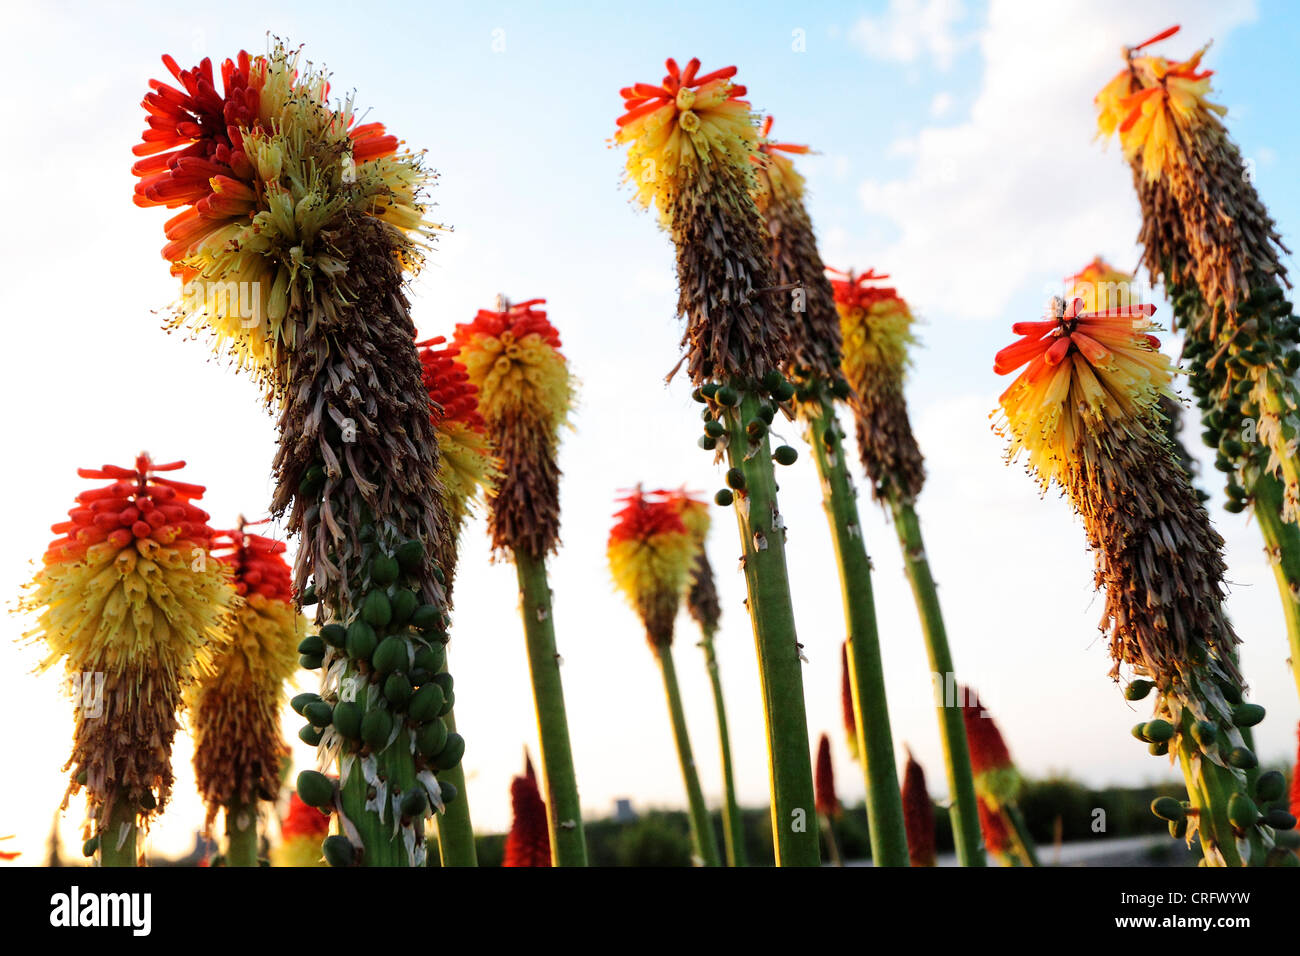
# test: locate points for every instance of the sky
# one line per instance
(956, 152)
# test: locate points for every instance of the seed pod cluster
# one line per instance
(724, 424)
(384, 685)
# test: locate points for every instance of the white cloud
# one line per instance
(1002, 198)
(911, 29)
(941, 104)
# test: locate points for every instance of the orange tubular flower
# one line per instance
(525, 393)
(528, 842)
(997, 835)
(466, 463)
(918, 815)
(129, 597)
(238, 741)
(650, 555)
(302, 831)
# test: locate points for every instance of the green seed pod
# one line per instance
(335, 635)
(715, 429)
(450, 754)
(426, 617)
(1158, 748)
(449, 701)
(376, 609)
(767, 413)
(1139, 731)
(728, 396)
(302, 700)
(445, 682)
(698, 395)
(431, 658)
(312, 482)
(1233, 506)
(361, 640)
(1270, 786)
(426, 703)
(449, 791)
(409, 554)
(1167, 808)
(148, 801)
(772, 379)
(404, 604)
(709, 389)
(1279, 819)
(397, 689)
(431, 738)
(310, 735)
(785, 455)
(376, 727)
(414, 802)
(841, 389)
(311, 646)
(319, 713)
(1138, 689)
(707, 442)
(315, 789)
(308, 596)
(755, 428)
(310, 661)
(1247, 715)
(724, 498)
(1242, 758)
(91, 846)
(784, 393)
(82, 777)
(338, 851)
(383, 569)
(1205, 733)
(347, 719)
(1160, 731)
(1242, 811)
(390, 655)
(1178, 828)
(736, 479)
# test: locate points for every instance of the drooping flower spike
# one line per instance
(998, 781)
(297, 233)
(525, 393)
(651, 554)
(239, 745)
(272, 184)
(1086, 411)
(527, 843)
(129, 597)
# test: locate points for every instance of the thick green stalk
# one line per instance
(564, 812)
(780, 667)
(956, 751)
(110, 854)
(1282, 541)
(1207, 796)
(395, 765)
(706, 844)
(455, 831)
(866, 672)
(241, 834)
(733, 824)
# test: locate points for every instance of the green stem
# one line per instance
(455, 831)
(956, 751)
(706, 844)
(780, 667)
(733, 824)
(1024, 843)
(1207, 795)
(110, 854)
(832, 845)
(395, 765)
(866, 672)
(564, 813)
(241, 834)
(1282, 541)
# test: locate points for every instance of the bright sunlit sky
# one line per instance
(956, 153)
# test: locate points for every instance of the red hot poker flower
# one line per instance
(528, 843)
(828, 804)
(257, 562)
